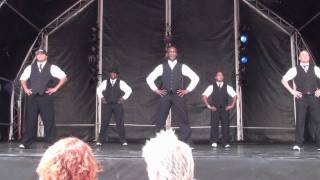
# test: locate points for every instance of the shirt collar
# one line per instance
(174, 62)
(304, 64)
(43, 63)
(220, 83)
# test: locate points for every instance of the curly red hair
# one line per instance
(68, 159)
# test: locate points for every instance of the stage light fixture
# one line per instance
(244, 60)
(243, 39)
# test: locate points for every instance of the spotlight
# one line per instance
(244, 60)
(243, 54)
(243, 39)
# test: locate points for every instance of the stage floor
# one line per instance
(242, 161)
(114, 150)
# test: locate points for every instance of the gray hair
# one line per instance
(167, 158)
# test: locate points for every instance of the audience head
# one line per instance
(69, 158)
(167, 158)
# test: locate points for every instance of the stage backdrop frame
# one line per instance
(296, 43)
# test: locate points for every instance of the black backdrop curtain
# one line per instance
(16, 36)
(68, 48)
(204, 35)
(133, 41)
(266, 103)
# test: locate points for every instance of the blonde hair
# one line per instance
(168, 158)
(68, 159)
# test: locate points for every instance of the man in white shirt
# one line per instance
(113, 92)
(173, 90)
(307, 92)
(37, 83)
(218, 92)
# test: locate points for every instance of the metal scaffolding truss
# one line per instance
(5, 2)
(2, 2)
(236, 19)
(282, 24)
(66, 16)
(98, 100)
(271, 16)
(41, 41)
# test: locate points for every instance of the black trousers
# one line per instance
(307, 105)
(107, 111)
(178, 105)
(220, 116)
(36, 104)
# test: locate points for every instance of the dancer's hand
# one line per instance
(317, 93)
(51, 90)
(296, 94)
(182, 92)
(229, 107)
(103, 100)
(212, 108)
(161, 92)
(28, 91)
(120, 101)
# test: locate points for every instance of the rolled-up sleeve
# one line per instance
(290, 74)
(153, 76)
(101, 88)
(57, 72)
(126, 89)
(317, 71)
(194, 78)
(26, 73)
(231, 92)
(208, 91)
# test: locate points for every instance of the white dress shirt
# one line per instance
(231, 92)
(123, 87)
(186, 71)
(55, 71)
(292, 72)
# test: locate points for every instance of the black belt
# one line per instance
(112, 103)
(171, 91)
(39, 94)
(308, 94)
(219, 106)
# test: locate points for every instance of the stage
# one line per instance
(241, 162)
